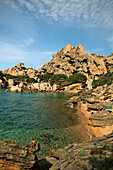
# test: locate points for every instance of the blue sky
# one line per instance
(32, 30)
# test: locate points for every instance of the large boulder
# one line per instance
(15, 89)
(96, 106)
(16, 157)
(11, 82)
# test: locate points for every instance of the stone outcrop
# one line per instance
(74, 59)
(67, 61)
(20, 70)
(97, 99)
(3, 82)
(96, 154)
(16, 157)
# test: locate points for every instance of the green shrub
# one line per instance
(45, 77)
(101, 163)
(1, 76)
(20, 78)
(77, 78)
(66, 159)
(72, 62)
(103, 79)
(53, 78)
(84, 61)
(56, 77)
(82, 153)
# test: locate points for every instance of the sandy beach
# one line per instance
(92, 131)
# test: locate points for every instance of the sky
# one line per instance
(32, 30)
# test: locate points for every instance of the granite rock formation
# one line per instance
(68, 61)
(96, 154)
(16, 157)
(74, 59)
(21, 70)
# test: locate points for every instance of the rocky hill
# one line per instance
(67, 67)
(67, 61)
(21, 70)
(74, 59)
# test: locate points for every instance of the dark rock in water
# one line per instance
(14, 156)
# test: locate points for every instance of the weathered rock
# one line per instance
(51, 160)
(20, 65)
(75, 99)
(56, 153)
(20, 70)
(15, 89)
(6, 90)
(97, 106)
(88, 155)
(11, 82)
(21, 84)
(89, 83)
(70, 59)
(14, 156)
(91, 100)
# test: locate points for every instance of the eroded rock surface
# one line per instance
(96, 154)
(16, 157)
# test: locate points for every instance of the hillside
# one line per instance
(65, 63)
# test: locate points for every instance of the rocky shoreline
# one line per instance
(89, 78)
(95, 154)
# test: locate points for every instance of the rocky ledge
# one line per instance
(99, 103)
(16, 157)
(96, 154)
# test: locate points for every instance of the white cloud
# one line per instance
(48, 52)
(27, 42)
(27, 4)
(110, 40)
(94, 13)
(12, 4)
(96, 51)
(11, 53)
(85, 13)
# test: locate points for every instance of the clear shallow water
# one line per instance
(43, 116)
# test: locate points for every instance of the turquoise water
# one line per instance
(43, 116)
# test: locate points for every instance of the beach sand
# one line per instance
(92, 131)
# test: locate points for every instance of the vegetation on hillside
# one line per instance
(1, 76)
(20, 78)
(103, 79)
(54, 78)
(77, 78)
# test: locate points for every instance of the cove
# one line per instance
(46, 117)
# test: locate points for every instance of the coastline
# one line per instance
(92, 131)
